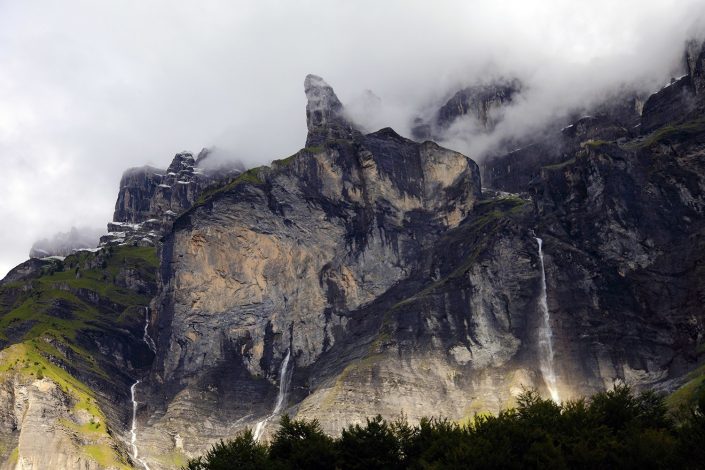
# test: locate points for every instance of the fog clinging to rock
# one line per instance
(89, 89)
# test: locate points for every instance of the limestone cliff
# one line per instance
(365, 274)
(396, 286)
(284, 257)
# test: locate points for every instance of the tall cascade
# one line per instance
(284, 378)
(133, 428)
(546, 336)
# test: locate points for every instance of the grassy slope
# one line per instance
(42, 318)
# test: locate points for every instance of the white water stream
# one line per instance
(546, 336)
(133, 429)
(284, 378)
(148, 339)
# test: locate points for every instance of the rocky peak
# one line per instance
(150, 199)
(324, 112)
(482, 102)
(478, 100)
(183, 162)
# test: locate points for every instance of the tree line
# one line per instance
(612, 429)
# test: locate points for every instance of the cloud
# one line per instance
(91, 88)
(65, 243)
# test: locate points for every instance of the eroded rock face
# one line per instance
(37, 418)
(284, 259)
(398, 287)
(150, 199)
(625, 227)
(324, 113)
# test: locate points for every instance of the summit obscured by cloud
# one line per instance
(89, 89)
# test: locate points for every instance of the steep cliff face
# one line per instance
(365, 274)
(150, 199)
(618, 117)
(682, 99)
(390, 284)
(283, 258)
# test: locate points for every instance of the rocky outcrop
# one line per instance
(617, 118)
(482, 102)
(324, 113)
(150, 199)
(683, 98)
(673, 102)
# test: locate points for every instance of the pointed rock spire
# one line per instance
(324, 113)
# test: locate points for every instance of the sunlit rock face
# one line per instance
(398, 287)
(368, 273)
(299, 256)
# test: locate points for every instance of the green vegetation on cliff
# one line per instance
(614, 429)
(251, 176)
(47, 320)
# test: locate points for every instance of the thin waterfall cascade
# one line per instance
(284, 379)
(545, 336)
(146, 338)
(133, 428)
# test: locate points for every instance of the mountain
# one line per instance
(72, 343)
(483, 103)
(365, 274)
(150, 199)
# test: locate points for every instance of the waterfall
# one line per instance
(146, 338)
(133, 429)
(546, 336)
(284, 378)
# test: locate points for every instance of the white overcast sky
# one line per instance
(90, 88)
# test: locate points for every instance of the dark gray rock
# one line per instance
(483, 102)
(672, 103)
(324, 113)
(150, 199)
